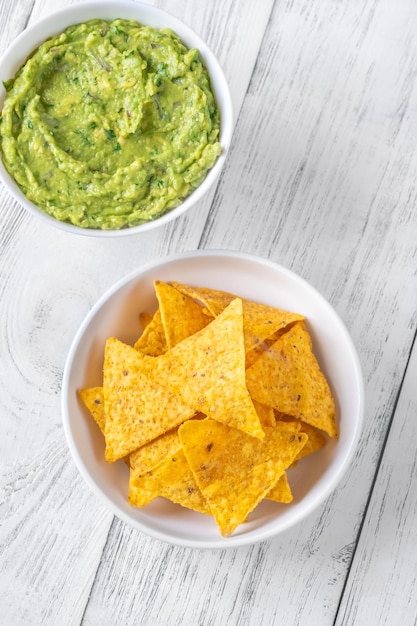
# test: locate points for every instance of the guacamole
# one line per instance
(110, 124)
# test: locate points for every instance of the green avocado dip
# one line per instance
(110, 124)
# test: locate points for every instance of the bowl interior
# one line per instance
(117, 314)
(34, 35)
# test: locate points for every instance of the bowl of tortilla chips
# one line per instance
(212, 399)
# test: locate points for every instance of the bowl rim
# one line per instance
(259, 534)
(20, 50)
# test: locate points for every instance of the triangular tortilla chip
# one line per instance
(316, 438)
(316, 441)
(234, 471)
(152, 453)
(288, 378)
(138, 408)
(152, 341)
(181, 316)
(147, 456)
(265, 413)
(281, 492)
(260, 321)
(253, 354)
(171, 479)
(94, 401)
(207, 371)
(145, 318)
(215, 301)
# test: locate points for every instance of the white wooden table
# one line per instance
(322, 178)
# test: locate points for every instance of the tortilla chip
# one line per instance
(316, 439)
(265, 413)
(94, 401)
(235, 471)
(152, 341)
(207, 371)
(281, 492)
(138, 408)
(152, 453)
(145, 318)
(214, 300)
(148, 455)
(181, 316)
(253, 354)
(288, 378)
(171, 479)
(259, 320)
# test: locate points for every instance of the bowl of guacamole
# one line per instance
(115, 118)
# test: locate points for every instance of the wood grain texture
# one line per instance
(321, 177)
(52, 529)
(383, 578)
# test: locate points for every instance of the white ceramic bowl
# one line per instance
(117, 314)
(57, 22)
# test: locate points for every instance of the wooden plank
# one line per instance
(52, 529)
(383, 577)
(53, 533)
(16, 16)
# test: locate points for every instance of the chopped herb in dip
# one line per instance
(110, 124)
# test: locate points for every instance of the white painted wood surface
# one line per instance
(321, 178)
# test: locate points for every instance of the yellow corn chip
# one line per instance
(316, 439)
(288, 378)
(152, 453)
(213, 299)
(152, 341)
(181, 316)
(171, 479)
(94, 401)
(265, 413)
(145, 318)
(234, 471)
(207, 371)
(148, 455)
(260, 321)
(281, 492)
(253, 354)
(138, 408)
